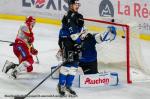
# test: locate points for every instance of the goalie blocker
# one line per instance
(94, 80)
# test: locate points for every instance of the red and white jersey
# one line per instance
(25, 35)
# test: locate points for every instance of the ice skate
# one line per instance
(8, 65)
(61, 90)
(70, 91)
(14, 74)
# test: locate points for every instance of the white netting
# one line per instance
(112, 56)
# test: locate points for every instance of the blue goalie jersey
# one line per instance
(89, 53)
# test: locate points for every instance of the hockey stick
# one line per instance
(6, 41)
(23, 97)
(37, 59)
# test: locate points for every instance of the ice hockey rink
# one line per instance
(46, 37)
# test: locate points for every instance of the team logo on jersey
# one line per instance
(106, 9)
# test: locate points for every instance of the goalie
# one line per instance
(88, 60)
(23, 49)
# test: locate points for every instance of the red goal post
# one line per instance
(127, 30)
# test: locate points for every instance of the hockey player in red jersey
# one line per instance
(23, 48)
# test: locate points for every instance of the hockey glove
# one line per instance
(59, 55)
(76, 38)
(31, 39)
(77, 48)
(34, 51)
(11, 44)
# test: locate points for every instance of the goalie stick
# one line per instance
(11, 44)
(23, 97)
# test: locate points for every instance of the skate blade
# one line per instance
(9, 74)
(10, 77)
(4, 67)
(70, 95)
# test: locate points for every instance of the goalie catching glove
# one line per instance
(110, 35)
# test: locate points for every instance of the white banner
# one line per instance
(54, 9)
(96, 80)
(136, 13)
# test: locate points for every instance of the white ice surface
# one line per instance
(46, 42)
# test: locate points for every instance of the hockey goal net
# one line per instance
(123, 55)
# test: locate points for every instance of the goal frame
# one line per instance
(129, 81)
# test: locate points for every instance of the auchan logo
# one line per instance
(97, 81)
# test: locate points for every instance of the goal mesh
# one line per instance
(123, 55)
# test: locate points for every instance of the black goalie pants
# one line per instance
(89, 67)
